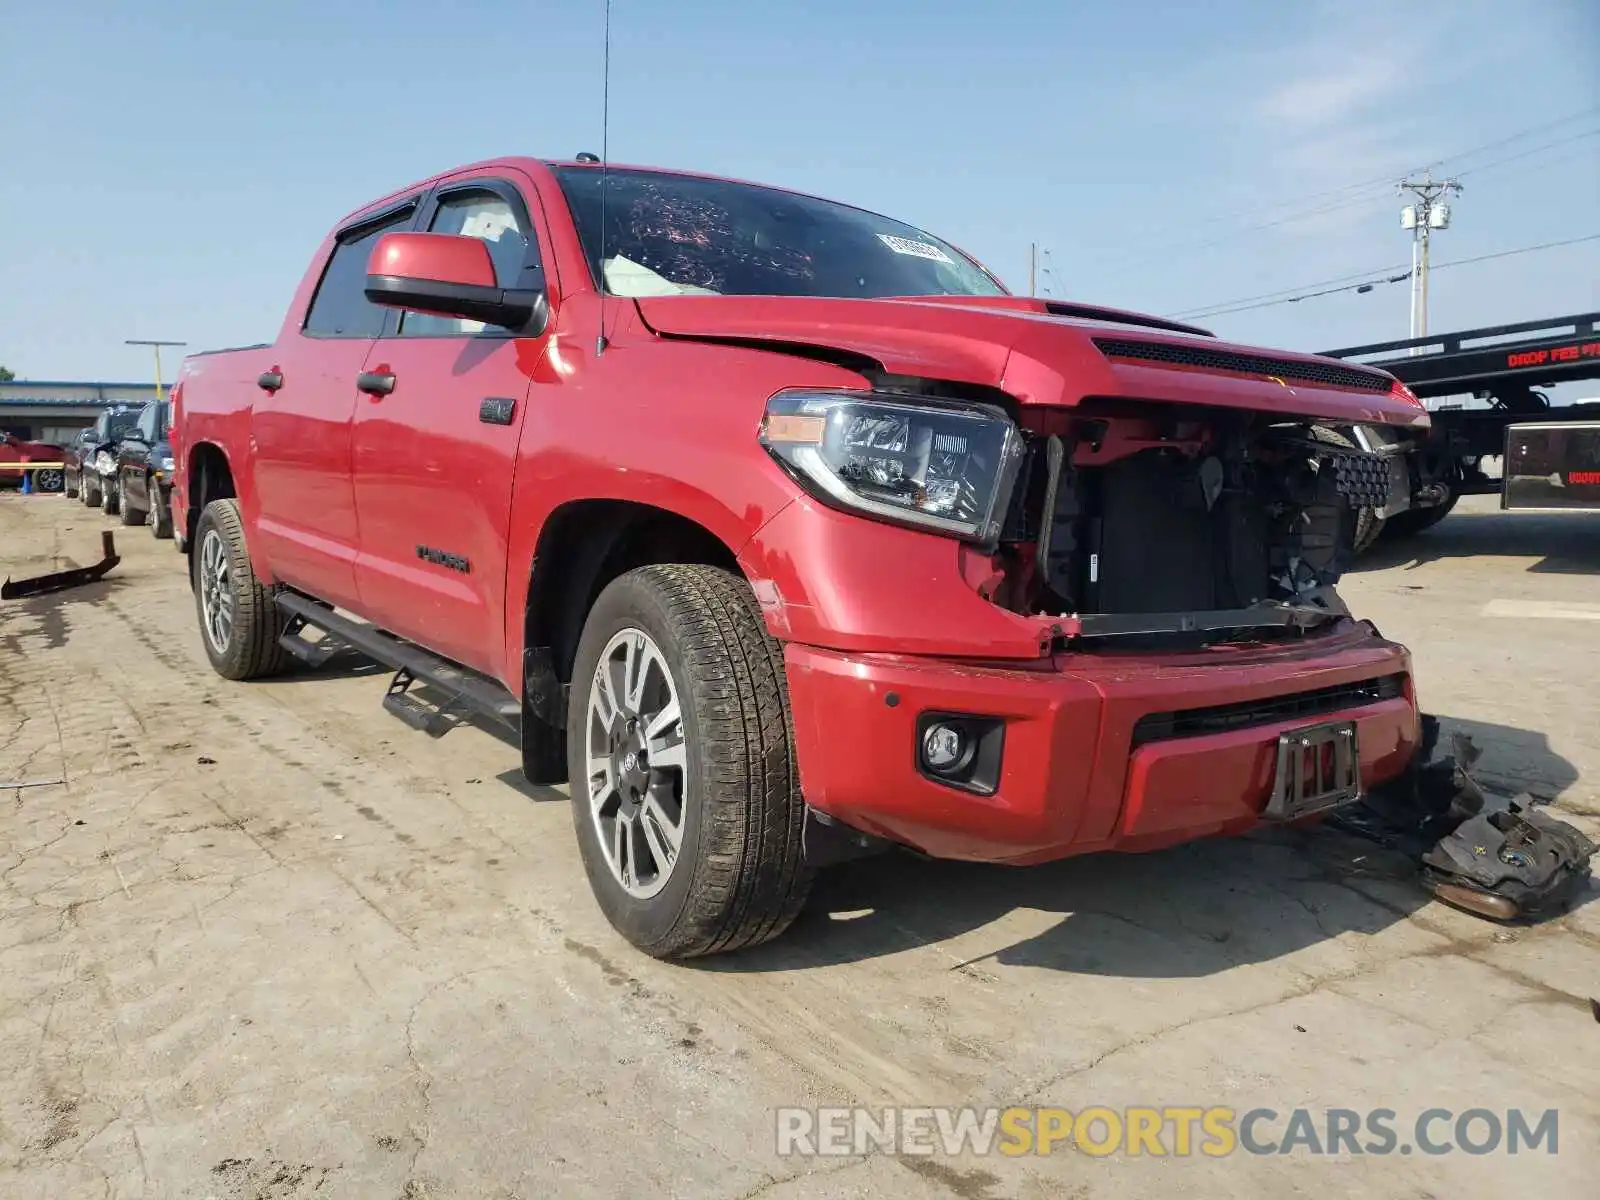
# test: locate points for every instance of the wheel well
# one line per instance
(583, 546)
(211, 479)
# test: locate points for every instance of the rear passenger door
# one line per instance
(434, 458)
(302, 428)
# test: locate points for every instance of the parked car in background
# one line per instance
(144, 470)
(15, 452)
(91, 470)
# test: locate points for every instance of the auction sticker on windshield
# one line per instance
(916, 249)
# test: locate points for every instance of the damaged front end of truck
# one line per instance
(1127, 477)
(1149, 522)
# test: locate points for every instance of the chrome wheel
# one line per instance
(637, 763)
(48, 481)
(216, 591)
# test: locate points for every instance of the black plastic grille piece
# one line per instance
(1223, 718)
(1362, 478)
(1207, 359)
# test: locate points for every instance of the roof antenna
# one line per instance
(600, 342)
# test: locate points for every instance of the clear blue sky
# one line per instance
(166, 168)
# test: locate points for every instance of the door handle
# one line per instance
(376, 383)
(270, 381)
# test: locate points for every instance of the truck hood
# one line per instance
(1041, 352)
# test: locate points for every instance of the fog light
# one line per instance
(961, 750)
(945, 748)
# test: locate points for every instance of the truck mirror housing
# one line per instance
(449, 275)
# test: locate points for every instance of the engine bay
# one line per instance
(1176, 515)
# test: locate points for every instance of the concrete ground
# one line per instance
(266, 941)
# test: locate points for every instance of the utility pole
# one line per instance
(1033, 268)
(1422, 218)
(1047, 275)
(156, 346)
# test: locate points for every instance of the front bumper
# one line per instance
(1080, 772)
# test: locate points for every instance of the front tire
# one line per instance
(89, 492)
(130, 514)
(49, 480)
(159, 517)
(110, 499)
(685, 797)
(239, 623)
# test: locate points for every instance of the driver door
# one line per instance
(434, 455)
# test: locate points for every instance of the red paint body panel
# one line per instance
(1069, 783)
(1034, 356)
(437, 256)
(339, 489)
(847, 584)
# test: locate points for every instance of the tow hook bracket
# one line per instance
(60, 581)
(825, 840)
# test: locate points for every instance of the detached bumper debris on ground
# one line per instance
(56, 581)
(1497, 858)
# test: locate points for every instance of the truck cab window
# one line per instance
(482, 215)
(340, 307)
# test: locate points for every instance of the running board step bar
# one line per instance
(313, 654)
(464, 689)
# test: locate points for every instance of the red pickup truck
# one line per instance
(786, 534)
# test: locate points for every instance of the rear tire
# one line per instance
(239, 623)
(1365, 523)
(1414, 520)
(1369, 527)
(709, 741)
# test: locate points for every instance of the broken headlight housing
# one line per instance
(933, 464)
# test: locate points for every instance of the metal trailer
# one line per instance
(1550, 454)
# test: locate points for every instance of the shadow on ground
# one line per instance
(1191, 911)
(49, 616)
(1514, 760)
(1563, 543)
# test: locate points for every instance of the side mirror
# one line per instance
(449, 275)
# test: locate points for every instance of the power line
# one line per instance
(1365, 285)
(1461, 262)
(1369, 191)
(1587, 133)
(1367, 281)
(1203, 309)
(1515, 137)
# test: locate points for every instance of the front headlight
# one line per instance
(941, 466)
(104, 463)
(166, 463)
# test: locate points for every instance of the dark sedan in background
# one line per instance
(91, 471)
(144, 470)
